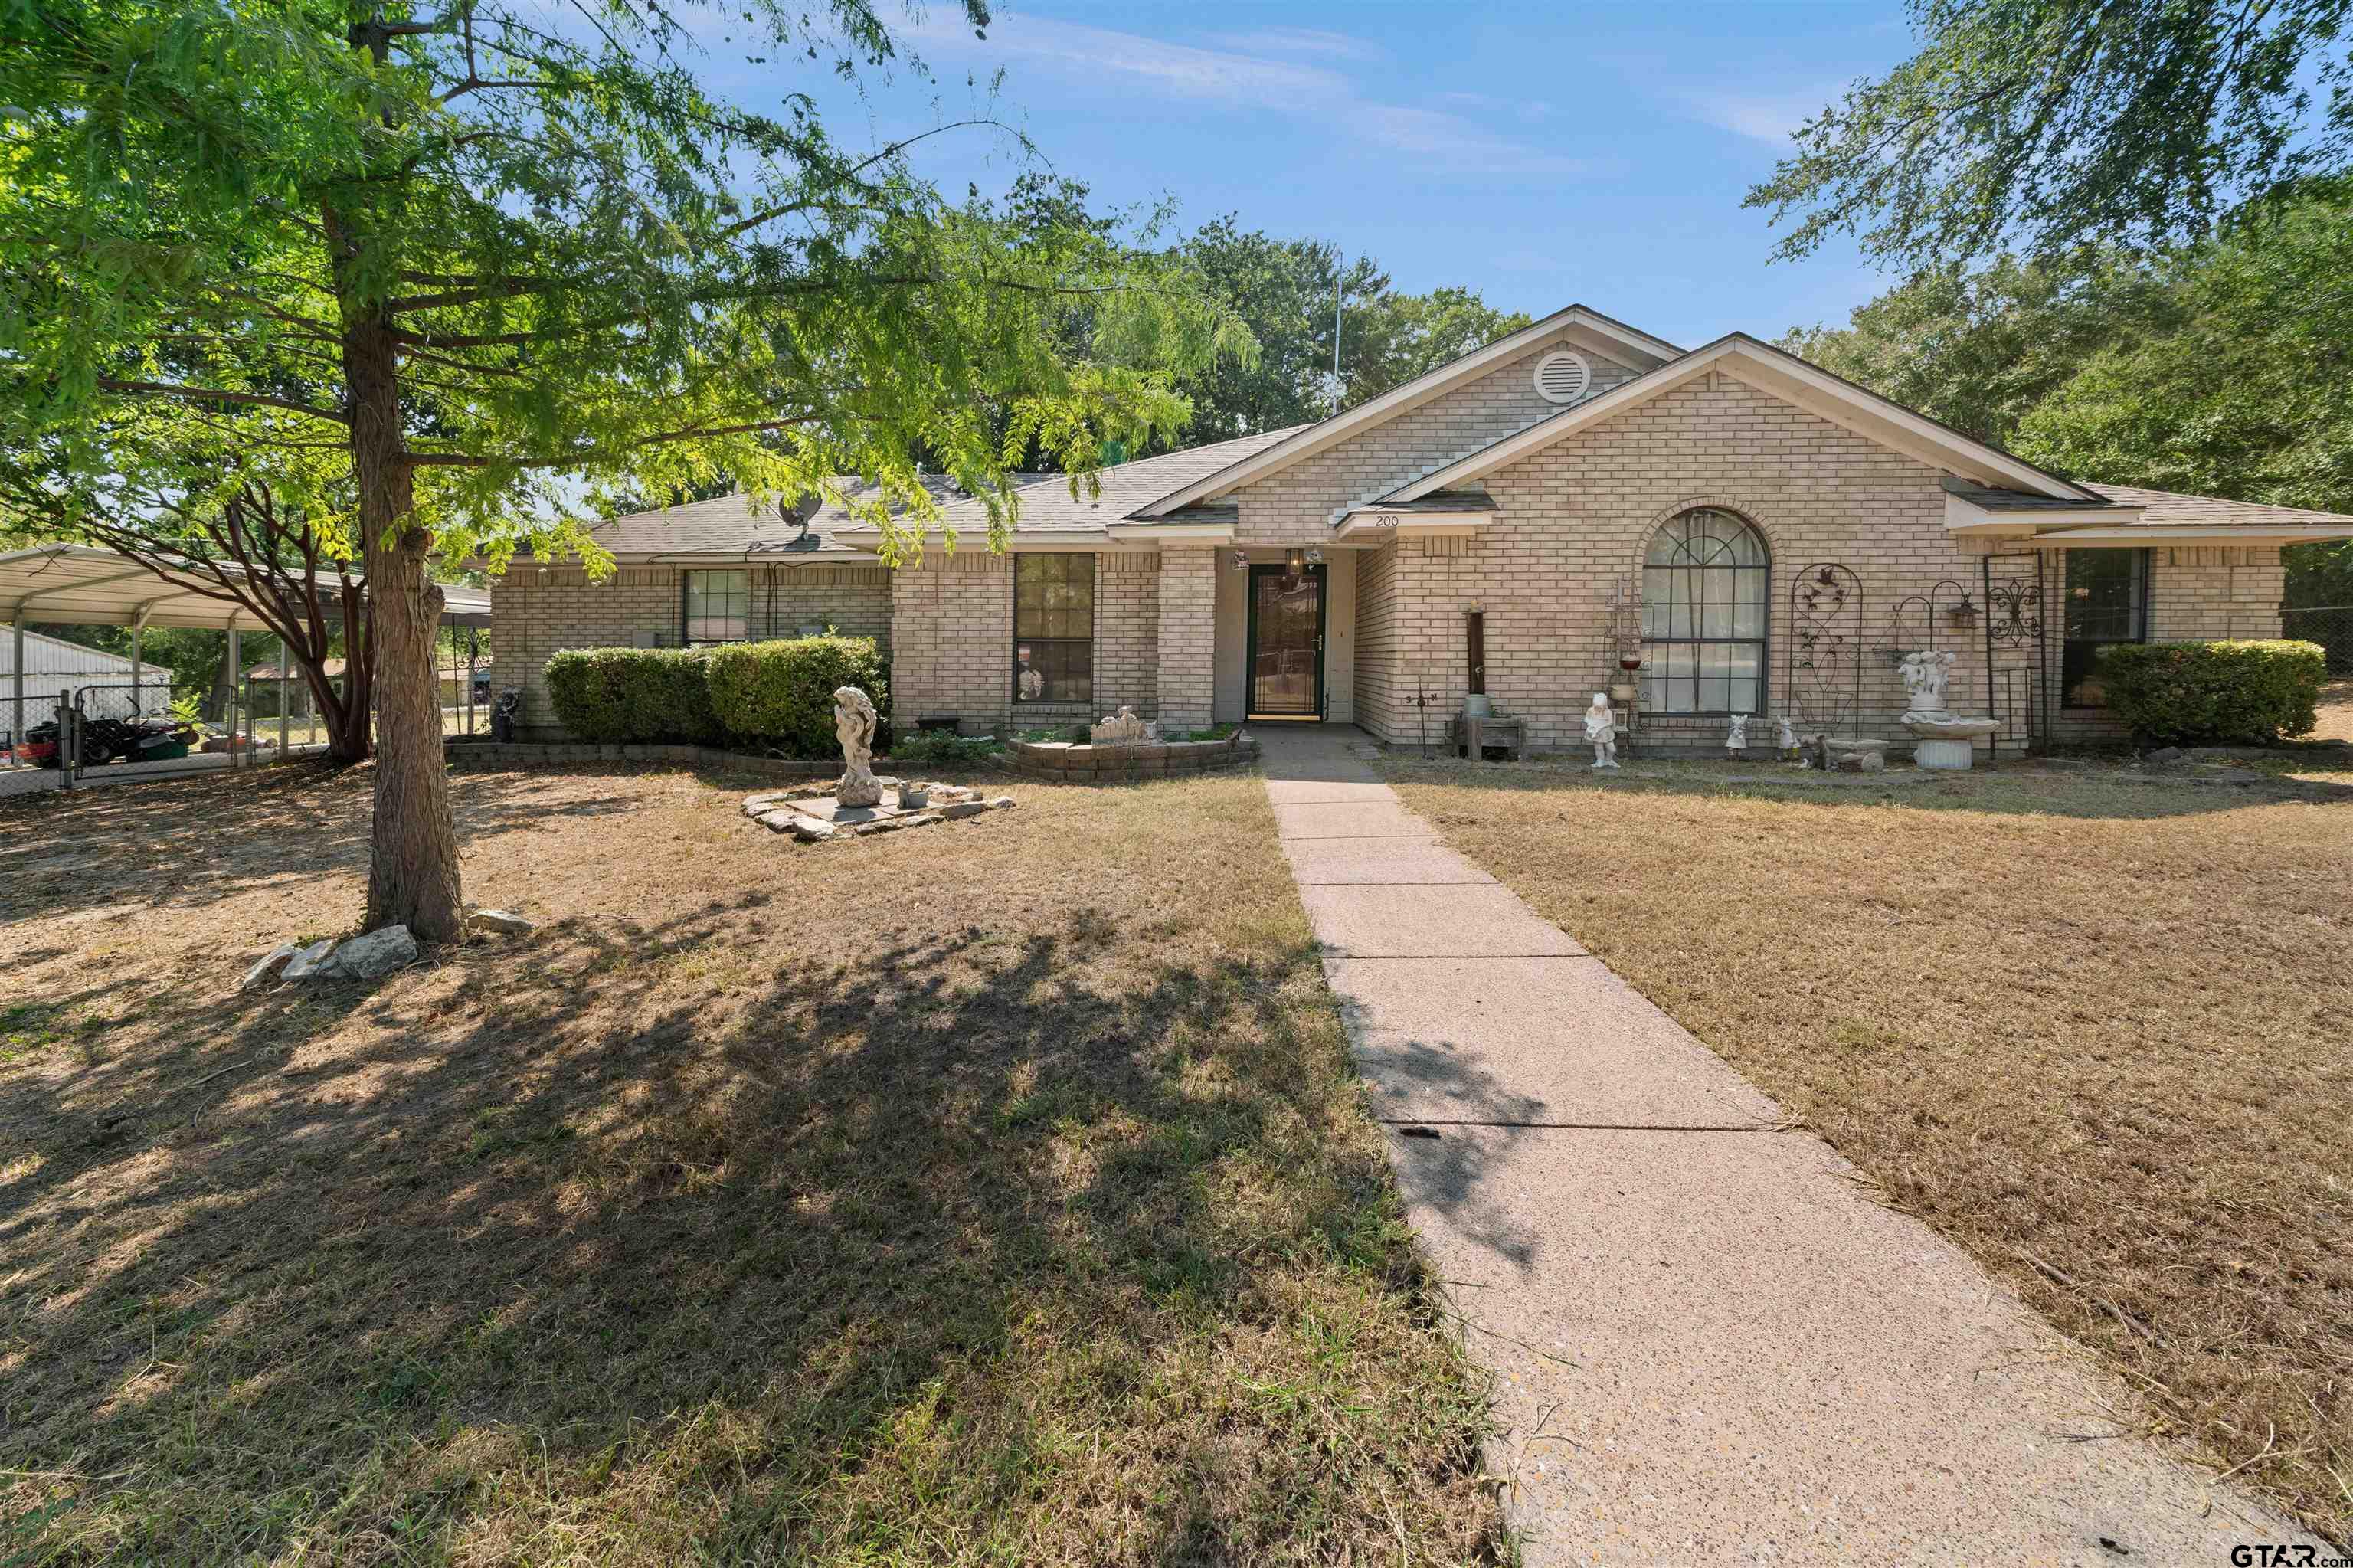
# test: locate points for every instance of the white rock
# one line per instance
(304, 965)
(271, 962)
(504, 921)
(1002, 803)
(369, 956)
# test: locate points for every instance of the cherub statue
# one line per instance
(1925, 675)
(854, 726)
(1601, 729)
(1735, 739)
(1788, 740)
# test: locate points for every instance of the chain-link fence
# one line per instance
(2330, 625)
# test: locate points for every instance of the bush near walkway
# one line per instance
(2227, 692)
(781, 693)
(632, 696)
(2099, 1033)
(873, 1204)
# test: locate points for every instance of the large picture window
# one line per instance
(718, 607)
(1054, 628)
(1705, 579)
(2108, 601)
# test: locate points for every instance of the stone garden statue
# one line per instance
(1122, 728)
(853, 723)
(1925, 675)
(1601, 729)
(1788, 739)
(1736, 737)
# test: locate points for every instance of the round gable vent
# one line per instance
(1563, 377)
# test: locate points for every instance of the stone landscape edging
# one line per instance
(530, 753)
(1126, 762)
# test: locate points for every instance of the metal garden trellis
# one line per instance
(1826, 644)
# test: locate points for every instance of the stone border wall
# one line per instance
(1070, 762)
(538, 754)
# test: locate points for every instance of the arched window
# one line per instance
(1704, 587)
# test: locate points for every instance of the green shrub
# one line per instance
(635, 696)
(781, 694)
(937, 747)
(2229, 693)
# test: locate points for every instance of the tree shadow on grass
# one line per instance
(205, 840)
(741, 1284)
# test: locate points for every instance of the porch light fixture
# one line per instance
(1294, 562)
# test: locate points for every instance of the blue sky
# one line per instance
(1539, 153)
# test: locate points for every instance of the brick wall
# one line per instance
(1187, 672)
(1295, 505)
(952, 641)
(1380, 704)
(535, 611)
(1579, 512)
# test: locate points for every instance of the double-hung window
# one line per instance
(716, 606)
(1053, 628)
(2108, 601)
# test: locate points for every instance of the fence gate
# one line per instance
(2017, 648)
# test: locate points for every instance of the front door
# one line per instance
(1286, 643)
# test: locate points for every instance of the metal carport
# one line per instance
(78, 586)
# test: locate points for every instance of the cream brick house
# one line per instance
(1761, 536)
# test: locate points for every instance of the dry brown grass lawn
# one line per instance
(2335, 712)
(2099, 1031)
(994, 1192)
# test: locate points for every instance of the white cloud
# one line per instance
(1216, 75)
(1241, 78)
(1458, 143)
(1770, 118)
(1304, 41)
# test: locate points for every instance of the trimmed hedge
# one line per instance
(2227, 693)
(635, 696)
(781, 694)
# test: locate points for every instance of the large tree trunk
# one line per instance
(413, 861)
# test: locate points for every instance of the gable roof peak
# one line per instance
(1578, 324)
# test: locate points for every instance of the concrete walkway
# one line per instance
(1709, 1344)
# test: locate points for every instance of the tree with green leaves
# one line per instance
(2044, 126)
(505, 263)
(2219, 367)
(1980, 350)
(1295, 294)
(2245, 388)
(1392, 337)
(281, 553)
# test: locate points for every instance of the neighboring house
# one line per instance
(1764, 535)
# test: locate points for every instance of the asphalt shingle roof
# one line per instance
(1993, 498)
(2167, 509)
(726, 524)
(1048, 506)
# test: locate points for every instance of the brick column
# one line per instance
(1188, 603)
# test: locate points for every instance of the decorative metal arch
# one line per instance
(1823, 675)
(1957, 605)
